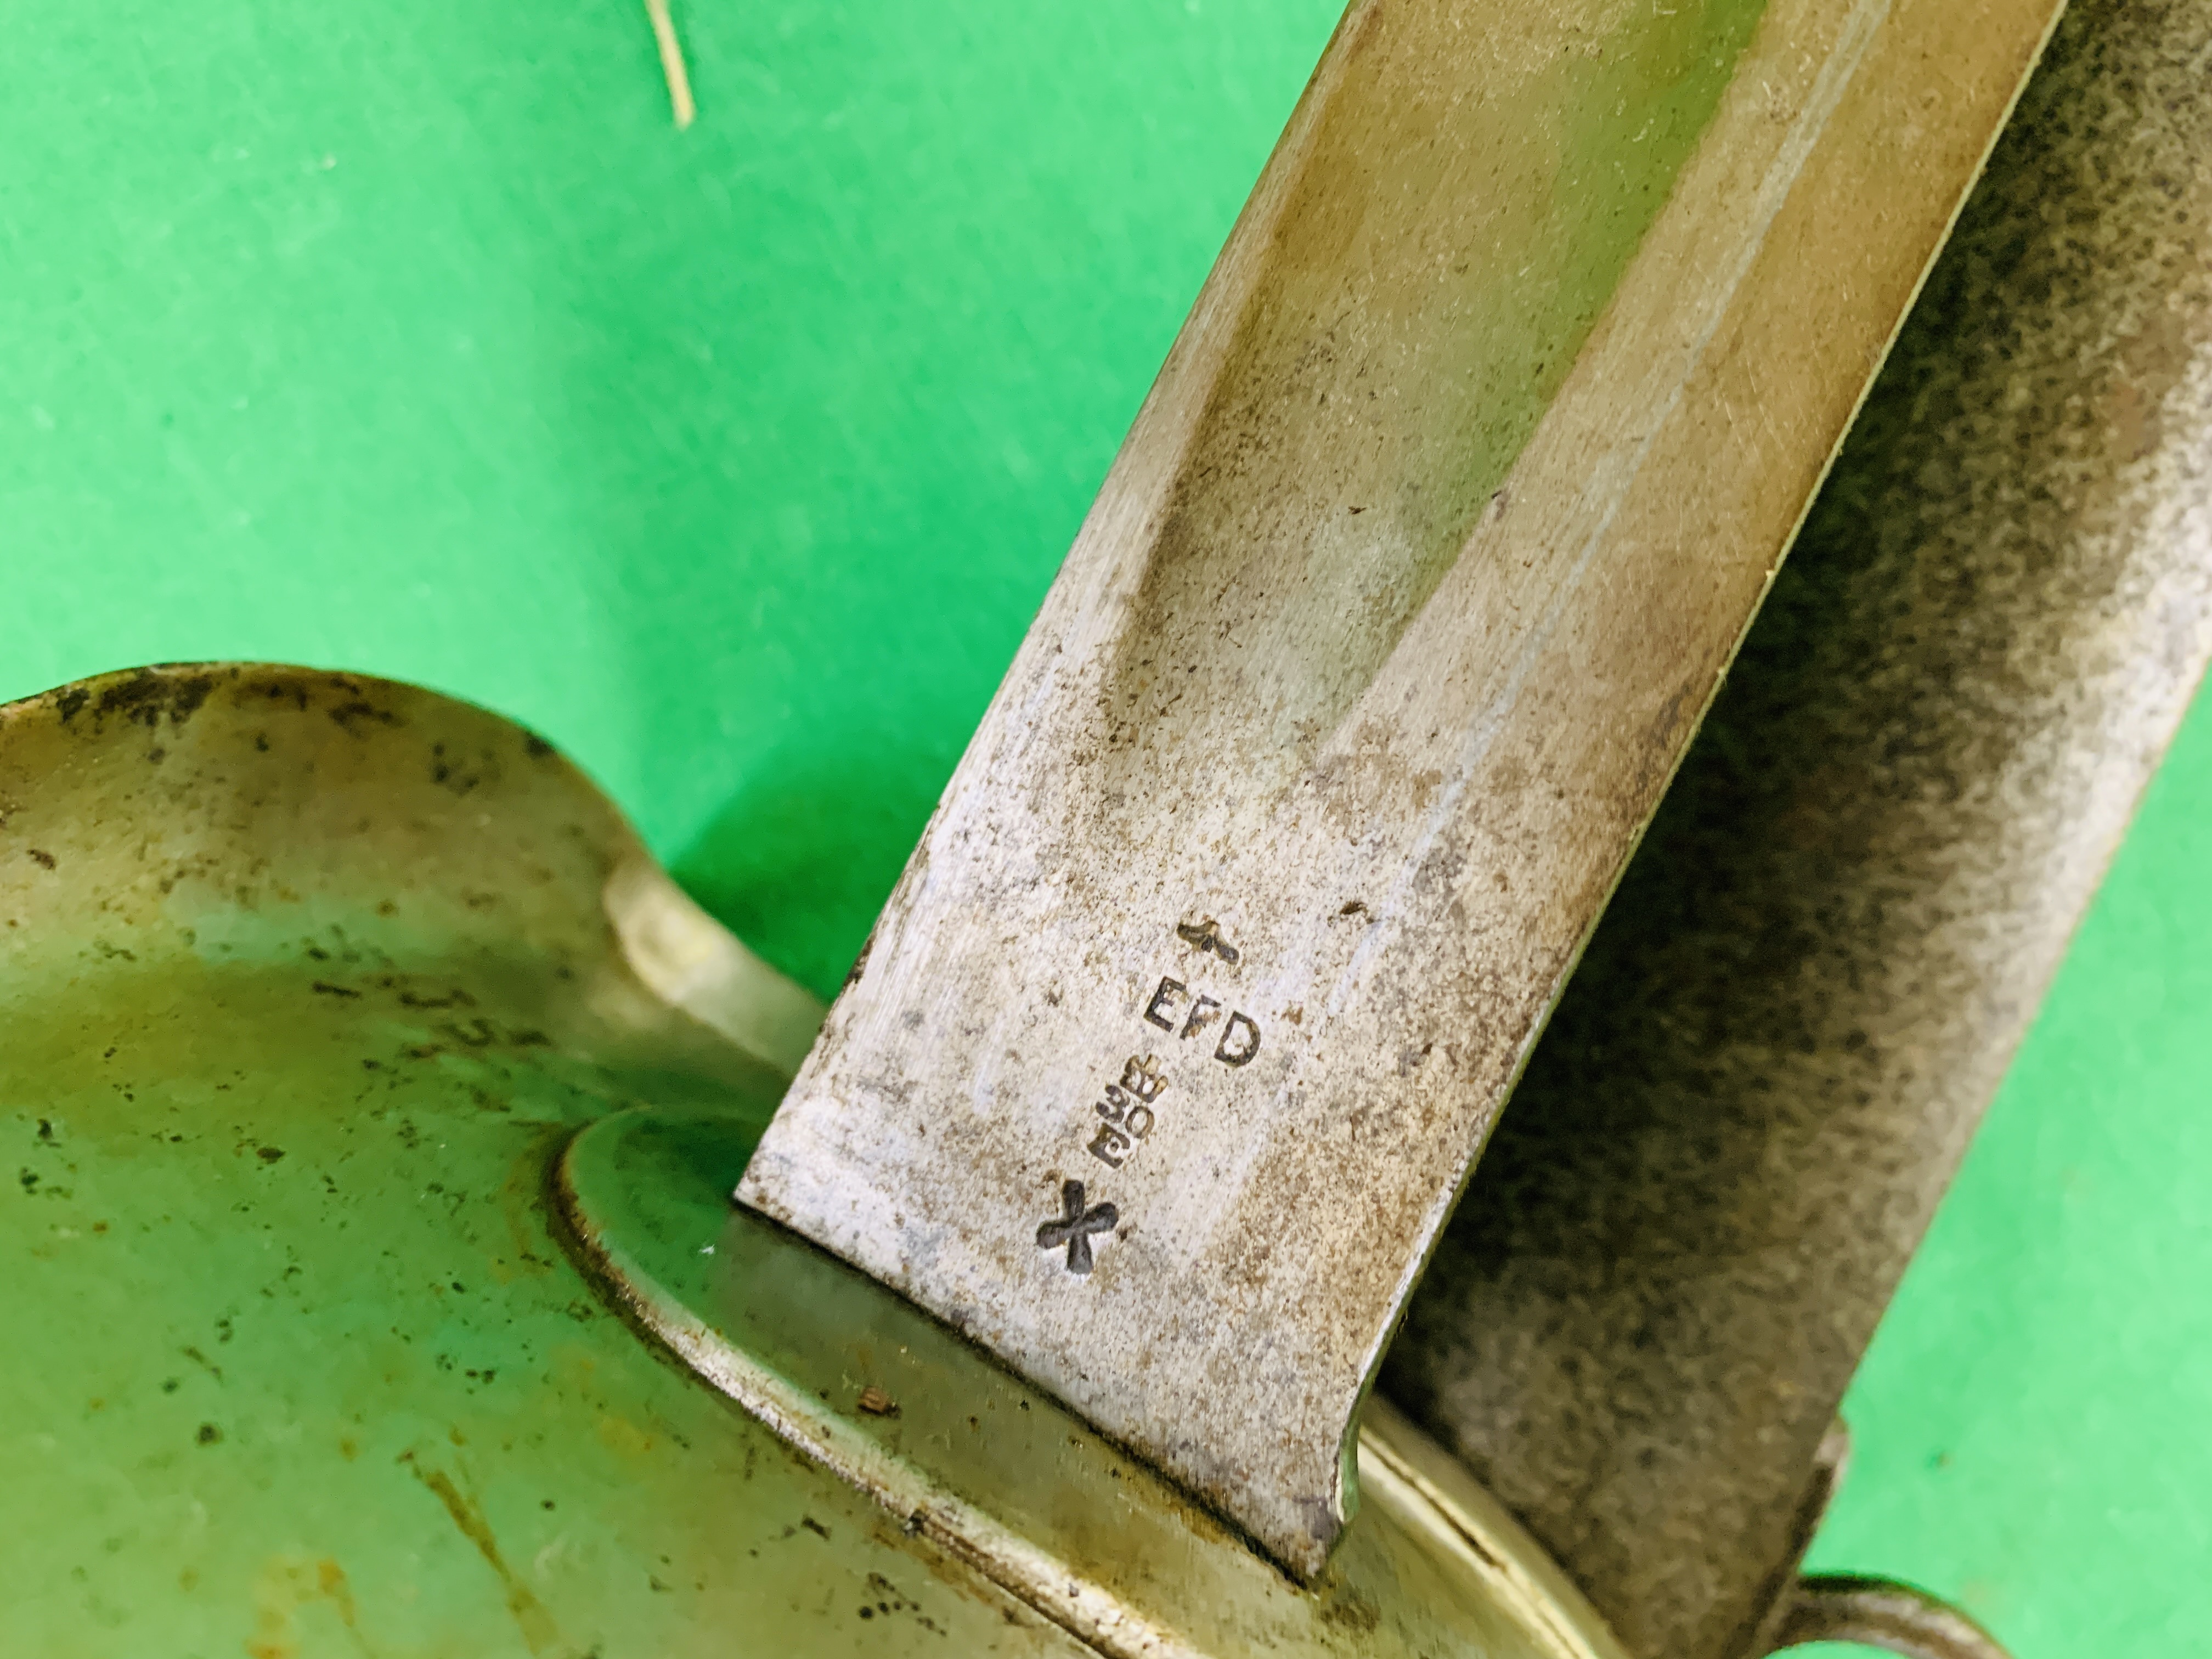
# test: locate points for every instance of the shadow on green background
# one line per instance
(413, 340)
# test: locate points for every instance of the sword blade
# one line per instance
(1392, 621)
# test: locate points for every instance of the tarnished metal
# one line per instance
(1879, 1612)
(1730, 1141)
(1417, 569)
(1350, 704)
(306, 982)
(997, 1473)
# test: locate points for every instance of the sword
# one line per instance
(1241, 916)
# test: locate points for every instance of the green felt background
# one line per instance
(410, 338)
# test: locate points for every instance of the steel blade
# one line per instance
(1407, 590)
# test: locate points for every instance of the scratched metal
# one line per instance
(964, 1455)
(307, 983)
(304, 980)
(1730, 1141)
(1392, 619)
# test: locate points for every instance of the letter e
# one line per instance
(1169, 990)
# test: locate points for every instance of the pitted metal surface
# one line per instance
(1176, 1040)
(1731, 1138)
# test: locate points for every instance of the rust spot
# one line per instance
(876, 1403)
(285, 1585)
(624, 1437)
(529, 1613)
(331, 1580)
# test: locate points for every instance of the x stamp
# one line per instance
(1075, 1226)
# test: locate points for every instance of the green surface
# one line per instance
(413, 340)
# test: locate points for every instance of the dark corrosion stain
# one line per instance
(350, 716)
(457, 775)
(454, 999)
(861, 962)
(186, 693)
(528, 1612)
(324, 989)
(1350, 1613)
(890, 1600)
(44, 860)
(291, 691)
(144, 698)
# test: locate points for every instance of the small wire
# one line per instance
(671, 62)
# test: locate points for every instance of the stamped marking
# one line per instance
(1240, 1032)
(1129, 1112)
(1075, 1225)
(1128, 1109)
(1206, 934)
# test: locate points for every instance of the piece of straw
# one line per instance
(671, 62)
